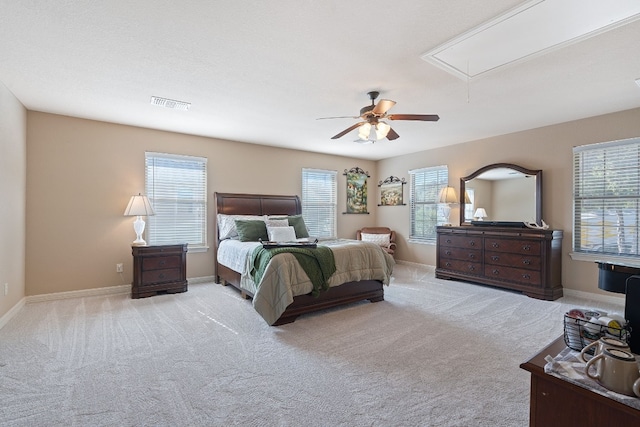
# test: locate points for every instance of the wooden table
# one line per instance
(555, 402)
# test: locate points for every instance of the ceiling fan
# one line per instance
(372, 116)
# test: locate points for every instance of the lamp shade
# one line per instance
(448, 195)
(382, 130)
(480, 214)
(139, 206)
(364, 131)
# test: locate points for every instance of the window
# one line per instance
(319, 202)
(470, 203)
(426, 212)
(177, 188)
(606, 198)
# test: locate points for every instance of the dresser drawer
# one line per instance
(460, 253)
(160, 276)
(460, 241)
(462, 266)
(161, 262)
(527, 277)
(530, 262)
(514, 246)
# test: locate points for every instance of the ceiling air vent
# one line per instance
(170, 103)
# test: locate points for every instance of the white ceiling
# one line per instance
(263, 72)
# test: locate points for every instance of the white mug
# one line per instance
(617, 371)
(601, 344)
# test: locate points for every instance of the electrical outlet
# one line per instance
(6, 289)
(119, 268)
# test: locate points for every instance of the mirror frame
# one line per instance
(533, 172)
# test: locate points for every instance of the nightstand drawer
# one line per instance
(160, 276)
(161, 262)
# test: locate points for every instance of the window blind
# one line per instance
(606, 198)
(177, 189)
(426, 184)
(319, 202)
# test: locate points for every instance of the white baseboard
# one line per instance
(110, 290)
(609, 299)
(9, 314)
(428, 267)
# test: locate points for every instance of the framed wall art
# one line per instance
(356, 191)
(392, 191)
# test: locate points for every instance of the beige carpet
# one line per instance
(434, 353)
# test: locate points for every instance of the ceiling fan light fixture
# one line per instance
(382, 129)
(365, 131)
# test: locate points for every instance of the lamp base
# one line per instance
(139, 242)
(138, 227)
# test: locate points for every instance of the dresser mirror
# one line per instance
(503, 193)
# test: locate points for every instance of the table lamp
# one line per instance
(480, 214)
(447, 196)
(139, 206)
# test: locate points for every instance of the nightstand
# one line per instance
(159, 269)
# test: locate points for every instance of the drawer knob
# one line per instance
(471, 268)
(495, 258)
(472, 256)
(447, 264)
(161, 276)
(448, 240)
(495, 245)
(162, 262)
(472, 243)
(495, 272)
(526, 261)
(526, 247)
(447, 252)
(526, 276)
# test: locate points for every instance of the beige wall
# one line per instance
(81, 174)
(548, 148)
(13, 164)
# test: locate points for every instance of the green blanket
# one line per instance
(317, 262)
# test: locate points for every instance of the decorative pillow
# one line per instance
(379, 239)
(298, 224)
(284, 222)
(227, 224)
(281, 234)
(251, 230)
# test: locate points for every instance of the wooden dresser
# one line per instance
(521, 259)
(159, 269)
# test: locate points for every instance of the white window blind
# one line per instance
(319, 202)
(177, 188)
(426, 184)
(606, 198)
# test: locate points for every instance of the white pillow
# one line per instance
(379, 239)
(227, 224)
(281, 234)
(277, 222)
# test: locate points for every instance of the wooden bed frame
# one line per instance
(259, 204)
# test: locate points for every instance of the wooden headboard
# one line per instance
(251, 204)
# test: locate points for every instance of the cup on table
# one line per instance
(601, 344)
(617, 370)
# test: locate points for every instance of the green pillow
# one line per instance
(251, 230)
(297, 222)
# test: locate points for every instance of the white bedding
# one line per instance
(284, 278)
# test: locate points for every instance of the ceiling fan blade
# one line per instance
(383, 106)
(338, 117)
(347, 130)
(392, 135)
(422, 117)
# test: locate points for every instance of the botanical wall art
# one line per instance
(391, 191)
(356, 191)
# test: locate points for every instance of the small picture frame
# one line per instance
(392, 191)
(356, 191)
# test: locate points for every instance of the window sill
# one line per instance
(609, 259)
